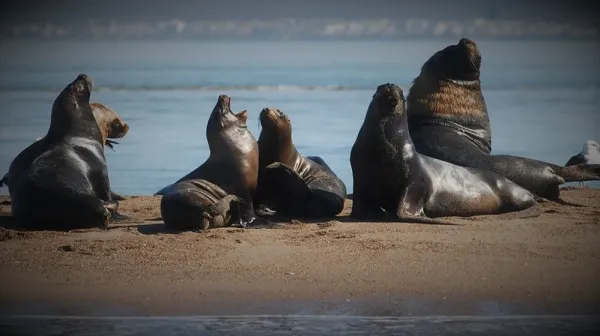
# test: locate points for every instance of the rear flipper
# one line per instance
(531, 212)
(415, 214)
(558, 200)
(287, 190)
(423, 220)
(578, 173)
(223, 213)
(187, 211)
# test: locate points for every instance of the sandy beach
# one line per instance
(482, 265)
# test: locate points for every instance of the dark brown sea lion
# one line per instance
(448, 120)
(66, 186)
(220, 192)
(111, 127)
(392, 179)
(291, 184)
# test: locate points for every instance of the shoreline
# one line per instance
(481, 266)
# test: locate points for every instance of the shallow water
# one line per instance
(542, 103)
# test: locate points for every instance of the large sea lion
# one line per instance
(67, 185)
(220, 191)
(291, 184)
(111, 127)
(448, 120)
(391, 178)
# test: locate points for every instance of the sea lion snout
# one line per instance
(119, 129)
(392, 92)
(83, 82)
(466, 41)
(224, 100)
(270, 115)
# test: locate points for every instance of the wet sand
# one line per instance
(480, 266)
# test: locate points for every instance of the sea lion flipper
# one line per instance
(116, 197)
(296, 189)
(226, 210)
(163, 191)
(577, 173)
(423, 220)
(318, 160)
(531, 212)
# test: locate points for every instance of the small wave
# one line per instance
(199, 88)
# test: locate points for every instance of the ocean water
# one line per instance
(542, 97)
(301, 325)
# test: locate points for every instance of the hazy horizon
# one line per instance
(61, 11)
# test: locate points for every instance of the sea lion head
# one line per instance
(74, 94)
(387, 100)
(274, 121)
(458, 62)
(71, 111)
(223, 119)
(110, 123)
(226, 117)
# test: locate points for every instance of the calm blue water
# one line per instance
(542, 96)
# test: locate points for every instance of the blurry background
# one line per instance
(162, 64)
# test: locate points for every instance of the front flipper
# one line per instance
(364, 207)
(410, 208)
(4, 180)
(116, 197)
(286, 188)
(318, 160)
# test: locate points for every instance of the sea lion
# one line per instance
(289, 183)
(110, 123)
(220, 191)
(391, 178)
(111, 127)
(448, 120)
(67, 186)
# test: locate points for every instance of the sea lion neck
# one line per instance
(275, 146)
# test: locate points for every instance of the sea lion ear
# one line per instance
(242, 116)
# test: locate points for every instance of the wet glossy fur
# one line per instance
(392, 179)
(111, 127)
(67, 185)
(291, 184)
(220, 191)
(448, 120)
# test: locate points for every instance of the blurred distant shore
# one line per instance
(302, 29)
